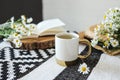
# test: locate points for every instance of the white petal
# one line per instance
(29, 20)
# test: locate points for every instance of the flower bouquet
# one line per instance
(107, 33)
(14, 30)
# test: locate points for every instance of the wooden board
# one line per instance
(38, 43)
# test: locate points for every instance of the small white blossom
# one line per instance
(12, 19)
(16, 35)
(29, 20)
(83, 68)
(24, 32)
(17, 43)
(12, 22)
(106, 44)
(29, 33)
(16, 40)
(114, 42)
(18, 29)
(23, 17)
(23, 22)
(94, 42)
(114, 27)
(32, 26)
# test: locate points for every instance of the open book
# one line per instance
(48, 27)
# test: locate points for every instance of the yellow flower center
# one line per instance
(16, 34)
(14, 26)
(106, 43)
(18, 28)
(19, 45)
(16, 40)
(83, 69)
(110, 24)
(114, 43)
(104, 16)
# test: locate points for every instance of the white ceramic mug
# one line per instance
(67, 48)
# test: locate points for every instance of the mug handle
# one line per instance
(84, 41)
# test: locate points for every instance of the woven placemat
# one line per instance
(16, 63)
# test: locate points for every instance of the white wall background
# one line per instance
(77, 14)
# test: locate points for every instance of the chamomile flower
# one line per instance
(29, 20)
(12, 21)
(23, 17)
(18, 45)
(29, 33)
(104, 16)
(16, 35)
(24, 32)
(114, 27)
(83, 68)
(32, 26)
(114, 43)
(16, 40)
(106, 44)
(18, 29)
(94, 42)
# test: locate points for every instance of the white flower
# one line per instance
(29, 33)
(18, 29)
(12, 19)
(16, 35)
(23, 17)
(106, 44)
(94, 42)
(17, 43)
(114, 27)
(23, 22)
(32, 26)
(29, 20)
(24, 32)
(12, 22)
(83, 68)
(114, 42)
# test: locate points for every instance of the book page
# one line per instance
(52, 31)
(52, 24)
